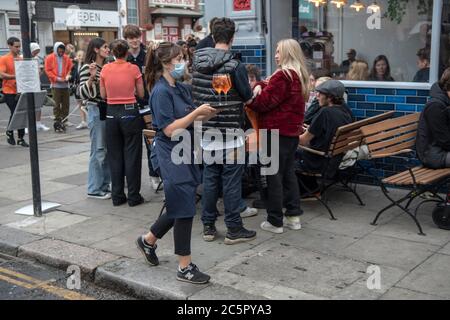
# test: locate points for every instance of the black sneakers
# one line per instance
(11, 139)
(192, 274)
(209, 232)
(136, 203)
(148, 251)
(22, 143)
(239, 234)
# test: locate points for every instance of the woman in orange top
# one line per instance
(120, 82)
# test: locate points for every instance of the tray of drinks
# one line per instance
(225, 105)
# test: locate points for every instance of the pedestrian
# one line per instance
(381, 70)
(172, 108)
(119, 81)
(75, 79)
(281, 106)
(208, 41)
(58, 67)
(35, 50)
(137, 53)
(8, 74)
(89, 90)
(359, 71)
(222, 175)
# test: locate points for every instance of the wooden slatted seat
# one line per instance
(346, 138)
(395, 137)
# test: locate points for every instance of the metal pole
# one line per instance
(34, 157)
(435, 40)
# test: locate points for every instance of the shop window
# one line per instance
(331, 32)
(132, 12)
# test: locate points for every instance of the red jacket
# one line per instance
(51, 67)
(281, 104)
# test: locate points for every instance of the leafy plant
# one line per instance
(397, 9)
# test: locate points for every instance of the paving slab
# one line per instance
(405, 294)
(92, 230)
(297, 269)
(11, 239)
(74, 195)
(219, 292)
(62, 254)
(48, 223)
(431, 277)
(392, 252)
(79, 179)
(445, 249)
(144, 281)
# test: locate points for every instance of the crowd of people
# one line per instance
(115, 83)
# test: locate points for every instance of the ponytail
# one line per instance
(157, 56)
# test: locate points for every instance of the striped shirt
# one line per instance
(91, 93)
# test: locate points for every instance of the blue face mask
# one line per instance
(178, 72)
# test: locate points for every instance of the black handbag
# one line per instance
(102, 107)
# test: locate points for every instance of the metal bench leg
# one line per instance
(159, 187)
(322, 188)
(350, 189)
(412, 193)
(425, 201)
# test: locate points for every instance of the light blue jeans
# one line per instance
(99, 175)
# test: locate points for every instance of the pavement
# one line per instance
(343, 259)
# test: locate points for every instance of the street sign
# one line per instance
(19, 119)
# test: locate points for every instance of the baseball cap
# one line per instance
(332, 88)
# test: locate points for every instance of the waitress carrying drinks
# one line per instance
(173, 109)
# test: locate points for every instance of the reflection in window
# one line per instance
(391, 45)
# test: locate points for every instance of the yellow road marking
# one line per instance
(42, 285)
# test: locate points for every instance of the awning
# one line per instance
(176, 12)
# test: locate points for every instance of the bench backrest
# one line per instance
(349, 137)
(391, 137)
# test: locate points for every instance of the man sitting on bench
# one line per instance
(333, 114)
(433, 133)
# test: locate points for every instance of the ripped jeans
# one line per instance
(99, 176)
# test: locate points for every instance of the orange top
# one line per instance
(7, 66)
(120, 79)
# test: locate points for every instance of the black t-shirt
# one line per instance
(240, 81)
(323, 127)
(139, 61)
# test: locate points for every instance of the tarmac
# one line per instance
(347, 258)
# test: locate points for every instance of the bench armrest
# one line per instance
(314, 151)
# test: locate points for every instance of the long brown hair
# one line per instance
(160, 54)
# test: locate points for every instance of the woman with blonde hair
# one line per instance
(280, 105)
(359, 71)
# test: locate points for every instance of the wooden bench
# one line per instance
(395, 137)
(346, 138)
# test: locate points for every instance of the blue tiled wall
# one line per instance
(253, 55)
(368, 102)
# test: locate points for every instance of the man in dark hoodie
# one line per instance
(206, 63)
(208, 41)
(433, 133)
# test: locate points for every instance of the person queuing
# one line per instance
(58, 67)
(381, 70)
(137, 53)
(423, 62)
(8, 74)
(89, 89)
(281, 106)
(172, 108)
(75, 79)
(120, 83)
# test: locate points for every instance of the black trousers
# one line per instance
(11, 102)
(182, 230)
(124, 151)
(282, 187)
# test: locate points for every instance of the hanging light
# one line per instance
(339, 3)
(357, 5)
(374, 7)
(318, 2)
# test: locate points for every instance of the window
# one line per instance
(132, 12)
(398, 33)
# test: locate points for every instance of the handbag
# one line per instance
(102, 107)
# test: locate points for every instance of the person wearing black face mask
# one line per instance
(119, 81)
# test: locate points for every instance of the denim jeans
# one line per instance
(230, 175)
(99, 175)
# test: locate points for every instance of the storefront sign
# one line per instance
(158, 31)
(173, 3)
(242, 5)
(74, 17)
(305, 10)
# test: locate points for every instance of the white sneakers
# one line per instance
(82, 125)
(154, 181)
(267, 226)
(292, 223)
(249, 212)
(68, 124)
(39, 127)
